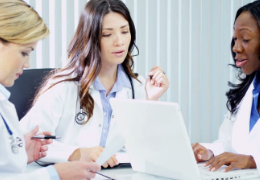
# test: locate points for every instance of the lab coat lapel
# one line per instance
(240, 136)
(124, 93)
(96, 96)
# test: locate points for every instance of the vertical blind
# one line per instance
(189, 39)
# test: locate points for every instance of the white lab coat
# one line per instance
(55, 111)
(12, 166)
(234, 135)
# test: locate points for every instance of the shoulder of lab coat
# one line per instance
(47, 113)
(234, 133)
(139, 87)
(223, 143)
(40, 174)
(60, 101)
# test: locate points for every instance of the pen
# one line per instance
(45, 137)
(151, 76)
(103, 175)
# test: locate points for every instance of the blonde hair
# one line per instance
(20, 23)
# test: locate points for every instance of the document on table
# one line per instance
(114, 146)
(122, 157)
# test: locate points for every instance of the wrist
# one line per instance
(210, 153)
(75, 156)
(251, 162)
(153, 99)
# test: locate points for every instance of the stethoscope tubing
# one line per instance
(6, 125)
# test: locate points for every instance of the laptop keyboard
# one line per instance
(205, 174)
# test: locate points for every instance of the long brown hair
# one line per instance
(84, 51)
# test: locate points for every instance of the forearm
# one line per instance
(58, 152)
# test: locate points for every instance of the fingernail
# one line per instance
(213, 169)
(199, 156)
(117, 163)
(224, 170)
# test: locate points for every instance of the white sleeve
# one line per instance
(40, 174)
(255, 153)
(255, 149)
(47, 113)
(58, 152)
(139, 88)
(223, 143)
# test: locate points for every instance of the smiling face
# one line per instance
(13, 58)
(247, 43)
(115, 39)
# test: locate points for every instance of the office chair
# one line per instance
(24, 89)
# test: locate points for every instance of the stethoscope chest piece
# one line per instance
(14, 146)
(19, 142)
(81, 117)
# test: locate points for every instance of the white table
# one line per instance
(118, 174)
(127, 174)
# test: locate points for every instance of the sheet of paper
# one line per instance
(122, 157)
(115, 145)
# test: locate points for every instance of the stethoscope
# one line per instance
(81, 116)
(15, 143)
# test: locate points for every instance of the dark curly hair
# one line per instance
(238, 91)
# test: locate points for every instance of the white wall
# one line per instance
(189, 39)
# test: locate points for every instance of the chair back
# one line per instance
(24, 89)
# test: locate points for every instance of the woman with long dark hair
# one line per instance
(74, 101)
(239, 136)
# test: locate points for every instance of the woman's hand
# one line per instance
(232, 161)
(77, 170)
(35, 148)
(91, 155)
(157, 85)
(201, 153)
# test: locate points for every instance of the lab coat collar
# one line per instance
(121, 81)
(96, 96)
(241, 134)
(124, 93)
(4, 93)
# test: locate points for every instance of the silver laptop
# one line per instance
(157, 142)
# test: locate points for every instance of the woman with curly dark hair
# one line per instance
(239, 136)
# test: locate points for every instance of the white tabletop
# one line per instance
(127, 174)
(118, 174)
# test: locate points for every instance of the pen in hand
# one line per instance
(103, 175)
(151, 76)
(45, 137)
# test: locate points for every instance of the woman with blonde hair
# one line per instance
(20, 29)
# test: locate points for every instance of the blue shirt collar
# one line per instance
(4, 91)
(256, 83)
(122, 80)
